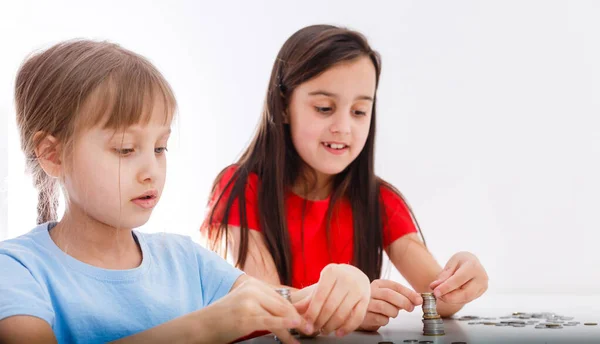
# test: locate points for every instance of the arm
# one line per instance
(412, 259)
(208, 325)
(338, 302)
(259, 263)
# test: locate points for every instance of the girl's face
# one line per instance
(117, 178)
(330, 115)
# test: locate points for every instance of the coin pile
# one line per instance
(285, 292)
(433, 325)
(521, 319)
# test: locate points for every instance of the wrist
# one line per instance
(212, 324)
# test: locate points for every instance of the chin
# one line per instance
(331, 170)
(131, 222)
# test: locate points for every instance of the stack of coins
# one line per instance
(433, 325)
(285, 292)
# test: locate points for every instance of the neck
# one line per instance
(313, 186)
(95, 243)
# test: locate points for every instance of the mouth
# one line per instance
(147, 200)
(150, 194)
(335, 145)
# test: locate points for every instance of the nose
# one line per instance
(149, 168)
(341, 123)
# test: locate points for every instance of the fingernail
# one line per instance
(340, 333)
(437, 293)
(295, 322)
(309, 328)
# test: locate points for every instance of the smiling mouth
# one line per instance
(337, 146)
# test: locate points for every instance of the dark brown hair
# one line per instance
(272, 156)
(76, 85)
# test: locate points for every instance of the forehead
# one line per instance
(346, 79)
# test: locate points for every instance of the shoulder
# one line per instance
(231, 173)
(27, 248)
(390, 197)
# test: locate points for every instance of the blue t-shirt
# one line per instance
(83, 303)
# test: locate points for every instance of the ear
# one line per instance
(48, 153)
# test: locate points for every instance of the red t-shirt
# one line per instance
(308, 261)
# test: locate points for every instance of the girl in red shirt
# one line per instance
(304, 196)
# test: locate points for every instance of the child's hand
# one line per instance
(339, 301)
(256, 306)
(387, 299)
(463, 280)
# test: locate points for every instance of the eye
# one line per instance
(359, 113)
(323, 109)
(160, 150)
(124, 151)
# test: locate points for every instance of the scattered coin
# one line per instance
(590, 324)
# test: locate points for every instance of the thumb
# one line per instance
(448, 271)
(302, 305)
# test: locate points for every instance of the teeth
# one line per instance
(335, 145)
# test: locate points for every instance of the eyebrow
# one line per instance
(136, 129)
(333, 95)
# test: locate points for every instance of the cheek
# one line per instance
(93, 174)
(362, 133)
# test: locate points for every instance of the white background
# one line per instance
(488, 114)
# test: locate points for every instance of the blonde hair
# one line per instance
(115, 87)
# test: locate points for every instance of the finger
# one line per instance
(401, 297)
(276, 305)
(355, 319)
(394, 298)
(302, 305)
(467, 293)
(461, 295)
(340, 316)
(318, 299)
(448, 271)
(335, 299)
(284, 336)
(462, 276)
(374, 321)
(414, 297)
(274, 323)
(383, 308)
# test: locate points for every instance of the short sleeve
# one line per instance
(397, 220)
(223, 191)
(20, 293)
(217, 276)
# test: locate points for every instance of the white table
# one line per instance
(409, 325)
